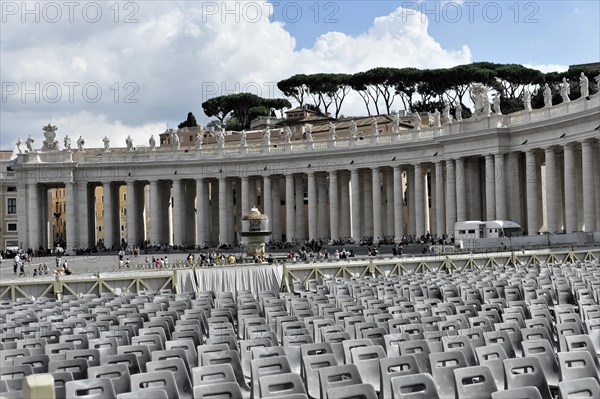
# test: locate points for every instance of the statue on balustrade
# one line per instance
(80, 143)
(152, 143)
(584, 85)
(597, 79)
(496, 101)
(374, 127)
(547, 96)
(331, 128)
(287, 135)
(220, 139)
(176, 142)
(243, 139)
(396, 124)
(436, 119)
(129, 143)
(266, 137)
(487, 110)
(29, 143)
(446, 113)
(50, 144)
(458, 111)
(565, 90)
(19, 143)
(353, 129)
(67, 143)
(416, 121)
(308, 133)
(198, 140)
(527, 100)
(106, 142)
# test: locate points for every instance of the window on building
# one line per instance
(11, 227)
(99, 228)
(11, 189)
(11, 206)
(124, 196)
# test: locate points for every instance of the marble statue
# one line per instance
(67, 143)
(129, 143)
(106, 142)
(19, 142)
(152, 143)
(446, 113)
(565, 90)
(198, 140)
(308, 133)
(331, 127)
(243, 139)
(287, 135)
(416, 121)
(396, 124)
(374, 127)
(29, 143)
(458, 111)
(220, 139)
(436, 119)
(584, 85)
(353, 129)
(50, 144)
(480, 100)
(496, 101)
(547, 96)
(80, 143)
(527, 100)
(597, 79)
(176, 142)
(266, 142)
(487, 111)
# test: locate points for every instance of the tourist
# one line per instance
(35, 272)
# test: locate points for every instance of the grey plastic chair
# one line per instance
(157, 379)
(338, 376)
(77, 367)
(576, 365)
(223, 390)
(520, 393)
(474, 382)
(60, 381)
(357, 391)
(391, 367)
(579, 388)
(542, 349)
(493, 356)
(312, 365)
(443, 365)
(367, 359)
(179, 370)
(267, 366)
(118, 374)
(14, 375)
(526, 372)
(39, 363)
(280, 384)
(95, 388)
(205, 375)
(414, 386)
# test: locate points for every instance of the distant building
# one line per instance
(9, 225)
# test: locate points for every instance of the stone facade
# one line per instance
(538, 168)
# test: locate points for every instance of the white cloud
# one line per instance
(545, 68)
(171, 58)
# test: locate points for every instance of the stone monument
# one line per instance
(67, 143)
(29, 143)
(255, 226)
(50, 144)
(152, 143)
(80, 143)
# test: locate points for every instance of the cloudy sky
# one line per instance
(119, 68)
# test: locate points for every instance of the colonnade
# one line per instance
(550, 189)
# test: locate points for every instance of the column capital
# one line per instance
(570, 144)
(588, 142)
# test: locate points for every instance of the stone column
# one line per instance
(410, 188)
(289, 208)
(450, 196)
(131, 214)
(312, 206)
(70, 221)
(377, 225)
(178, 211)
(83, 224)
(500, 187)
(154, 213)
(33, 216)
(251, 197)
(490, 188)
(322, 207)
(213, 211)
(389, 201)
(244, 196)
(355, 182)
(461, 194)
(430, 194)
(532, 193)
(551, 191)
(440, 214)
(367, 226)
(344, 205)
(333, 206)
(230, 211)
(398, 205)
(201, 218)
(276, 213)
(299, 200)
(223, 233)
(267, 201)
(107, 220)
(570, 189)
(589, 202)
(514, 187)
(419, 201)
